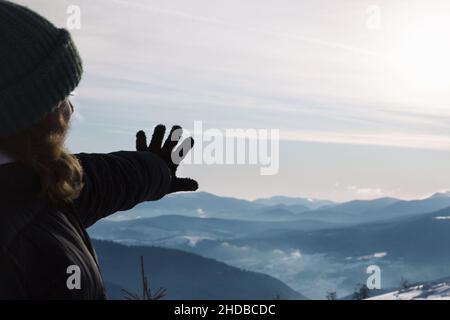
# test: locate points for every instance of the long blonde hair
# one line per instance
(41, 148)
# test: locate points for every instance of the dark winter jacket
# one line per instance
(38, 242)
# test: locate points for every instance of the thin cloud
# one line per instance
(402, 140)
(286, 35)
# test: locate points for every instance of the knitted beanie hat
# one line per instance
(39, 67)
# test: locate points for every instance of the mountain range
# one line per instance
(323, 249)
(206, 205)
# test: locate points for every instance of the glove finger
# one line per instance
(183, 149)
(141, 141)
(174, 137)
(184, 184)
(157, 138)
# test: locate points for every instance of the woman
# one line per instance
(48, 197)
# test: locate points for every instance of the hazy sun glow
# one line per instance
(422, 55)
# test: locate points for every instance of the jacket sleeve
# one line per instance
(119, 181)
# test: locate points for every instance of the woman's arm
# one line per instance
(118, 181)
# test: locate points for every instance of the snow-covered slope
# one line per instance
(439, 290)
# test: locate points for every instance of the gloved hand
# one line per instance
(168, 154)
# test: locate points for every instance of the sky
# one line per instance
(359, 89)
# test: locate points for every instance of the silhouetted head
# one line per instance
(39, 68)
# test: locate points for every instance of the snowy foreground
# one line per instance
(439, 290)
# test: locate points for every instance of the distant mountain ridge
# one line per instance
(361, 206)
(198, 204)
(416, 237)
(441, 194)
(279, 208)
(176, 230)
(309, 203)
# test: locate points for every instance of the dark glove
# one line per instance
(168, 154)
